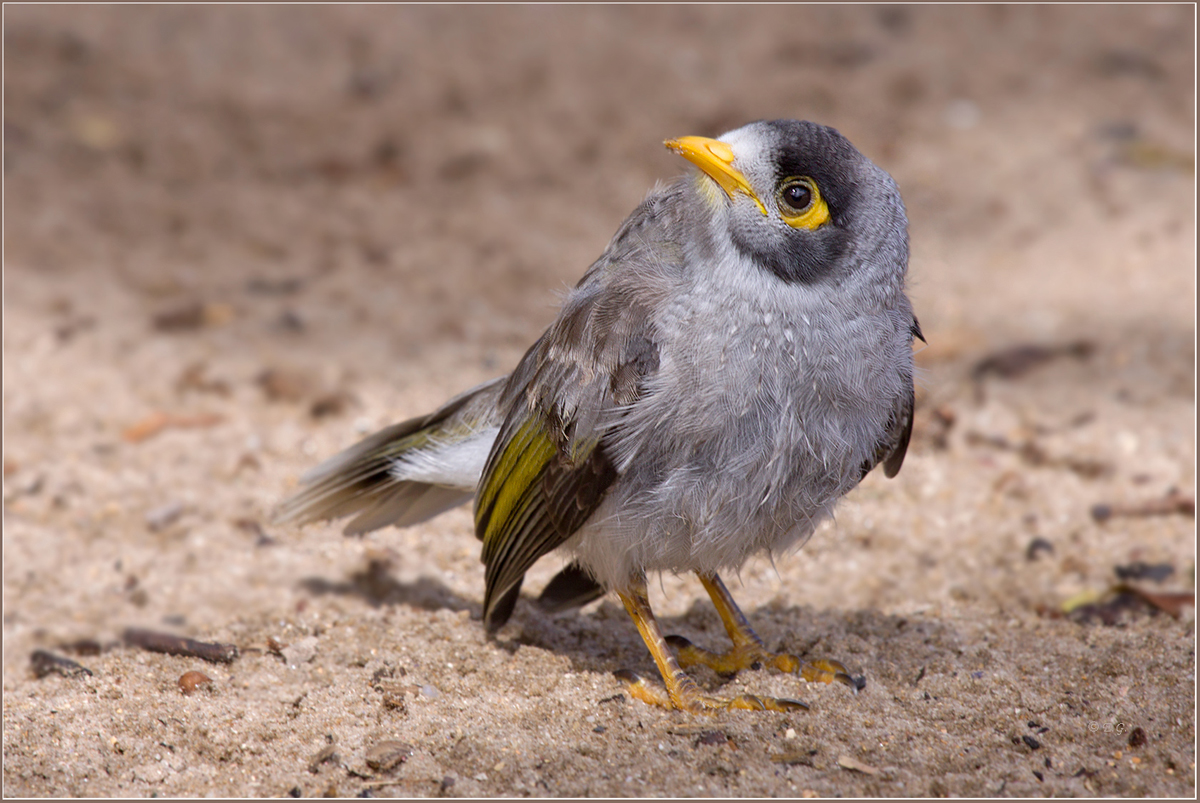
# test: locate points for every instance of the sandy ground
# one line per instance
(239, 238)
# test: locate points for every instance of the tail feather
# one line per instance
(573, 587)
(407, 503)
(393, 476)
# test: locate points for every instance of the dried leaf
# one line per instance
(156, 422)
(1172, 603)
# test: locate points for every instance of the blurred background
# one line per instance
(237, 238)
(447, 171)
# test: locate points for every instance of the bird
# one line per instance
(738, 358)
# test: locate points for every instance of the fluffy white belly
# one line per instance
(739, 450)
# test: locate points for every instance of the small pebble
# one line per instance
(164, 515)
(290, 321)
(301, 652)
(385, 755)
(712, 738)
(326, 755)
(1137, 737)
(330, 404)
(248, 525)
(190, 681)
(1036, 547)
(181, 318)
(430, 691)
(47, 663)
(1139, 570)
(1031, 743)
(851, 763)
(284, 386)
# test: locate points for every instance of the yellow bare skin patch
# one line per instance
(814, 215)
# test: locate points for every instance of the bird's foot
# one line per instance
(688, 697)
(755, 656)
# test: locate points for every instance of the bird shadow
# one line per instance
(599, 637)
(376, 586)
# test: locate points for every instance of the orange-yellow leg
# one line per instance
(748, 651)
(681, 691)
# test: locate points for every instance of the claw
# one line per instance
(788, 705)
(823, 670)
(641, 689)
(750, 702)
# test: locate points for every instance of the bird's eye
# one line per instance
(796, 196)
(801, 204)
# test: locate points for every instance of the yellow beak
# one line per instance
(715, 158)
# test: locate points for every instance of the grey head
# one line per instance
(798, 200)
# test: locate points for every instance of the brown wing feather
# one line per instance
(537, 490)
(894, 446)
(550, 469)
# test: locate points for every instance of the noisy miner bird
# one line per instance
(736, 361)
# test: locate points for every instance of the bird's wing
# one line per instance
(536, 491)
(894, 446)
(550, 466)
(899, 433)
